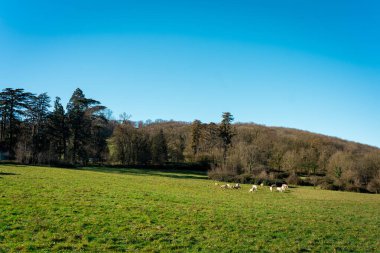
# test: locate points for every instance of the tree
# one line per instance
(209, 148)
(13, 104)
(159, 148)
(374, 184)
(128, 145)
(291, 161)
(121, 144)
(58, 132)
(196, 129)
(81, 112)
(100, 132)
(226, 132)
(309, 160)
(34, 142)
(340, 164)
(40, 113)
(142, 146)
(176, 146)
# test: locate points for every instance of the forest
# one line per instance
(84, 133)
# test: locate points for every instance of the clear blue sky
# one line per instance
(312, 65)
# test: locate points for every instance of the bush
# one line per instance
(314, 180)
(374, 184)
(244, 179)
(293, 179)
(221, 174)
(263, 176)
(327, 186)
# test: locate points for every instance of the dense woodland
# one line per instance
(32, 131)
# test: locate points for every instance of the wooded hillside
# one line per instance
(85, 133)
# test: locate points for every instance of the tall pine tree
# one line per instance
(226, 132)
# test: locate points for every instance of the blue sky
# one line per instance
(312, 65)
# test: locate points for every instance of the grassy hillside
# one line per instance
(50, 209)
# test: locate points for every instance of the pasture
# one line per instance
(95, 210)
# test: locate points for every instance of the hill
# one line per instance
(274, 154)
(85, 134)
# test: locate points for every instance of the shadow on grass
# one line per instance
(8, 174)
(11, 164)
(161, 171)
(179, 174)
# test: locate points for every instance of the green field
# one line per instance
(96, 210)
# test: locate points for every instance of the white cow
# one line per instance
(284, 187)
(280, 189)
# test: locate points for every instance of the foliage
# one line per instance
(196, 134)
(84, 118)
(293, 179)
(159, 148)
(13, 106)
(58, 132)
(243, 152)
(226, 132)
(129, 145)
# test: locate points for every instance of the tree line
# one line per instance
(82, 133)
(32, 133)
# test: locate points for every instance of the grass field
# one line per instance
(95, 210)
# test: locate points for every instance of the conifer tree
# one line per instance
(226, 132)
(81, 111)
(58, 132)
(36, 116)
(13, 104)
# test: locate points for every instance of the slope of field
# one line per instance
(50, 209)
